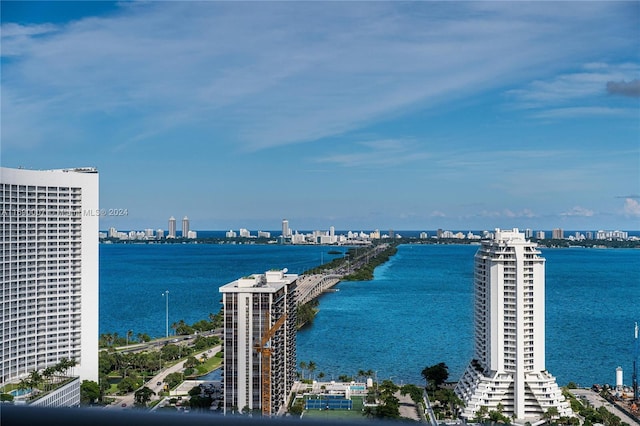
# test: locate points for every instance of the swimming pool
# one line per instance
(20, 392)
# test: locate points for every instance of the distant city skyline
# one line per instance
(361, 115)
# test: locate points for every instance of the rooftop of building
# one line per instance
(268, 282)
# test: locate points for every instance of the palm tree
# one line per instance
(174, 327)
(140, 337)
(303, 366)
(35, 379)
(311, 367)
(47, 375)
(361, 373)
(129, 336)
(108, 338)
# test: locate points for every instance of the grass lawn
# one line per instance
(209, 365)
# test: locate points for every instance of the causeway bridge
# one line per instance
(312, 286)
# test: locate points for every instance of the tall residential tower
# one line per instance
(49, 288)
(286, 232)
(259, 341)
(509, 362)
(185, 227)
(172, 227)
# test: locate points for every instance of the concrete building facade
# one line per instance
(49, 288)
(509, 316)
(172, 227)
(252, 306)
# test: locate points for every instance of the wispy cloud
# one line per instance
(578, 211)
(386, 152)
(269, 74)
(580, 94)
(594, 111)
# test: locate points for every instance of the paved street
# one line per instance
(152, 383)
(597, 401)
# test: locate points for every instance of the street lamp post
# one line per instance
(166, 296)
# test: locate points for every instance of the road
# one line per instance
(152, 383)
(597, 401)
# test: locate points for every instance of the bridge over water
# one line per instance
(312, 286)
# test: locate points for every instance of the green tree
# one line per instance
(303, 367)
(127, 384)
(191, 362)
(196, 390)
(435, 375)
(129, 336)
(415, 392)
(170, 352)
(89, 392)
(173, 379)
(551, 413)
(142, 396)
(481, 414)
(35, 379)
(389, 407)
(311, 367)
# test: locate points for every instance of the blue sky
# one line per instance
(360, 115)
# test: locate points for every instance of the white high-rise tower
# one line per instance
(49, 287)
(172, 227)
(185, 227)
(509, 362)
(286, 232)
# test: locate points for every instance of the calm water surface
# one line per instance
(417, 311)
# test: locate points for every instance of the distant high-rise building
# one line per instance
(185, 227)
(528, 233)
(172, 227)
(160, 234)
(286, 232)
(557, 234)
(113, 232)
(259, 341)
(540, 235)
(509, 361)
(49, 287)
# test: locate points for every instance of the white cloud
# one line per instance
(579, 112)
(578, 211)
(385, 152)
(631, 207)
(578, 94)
(269, 74)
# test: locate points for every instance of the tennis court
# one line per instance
(325, 403)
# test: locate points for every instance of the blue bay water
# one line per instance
(417, 311)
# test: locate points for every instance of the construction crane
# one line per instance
(265, 351)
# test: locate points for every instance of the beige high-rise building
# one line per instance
(253, 306)
(185, 227)
(509, 361)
